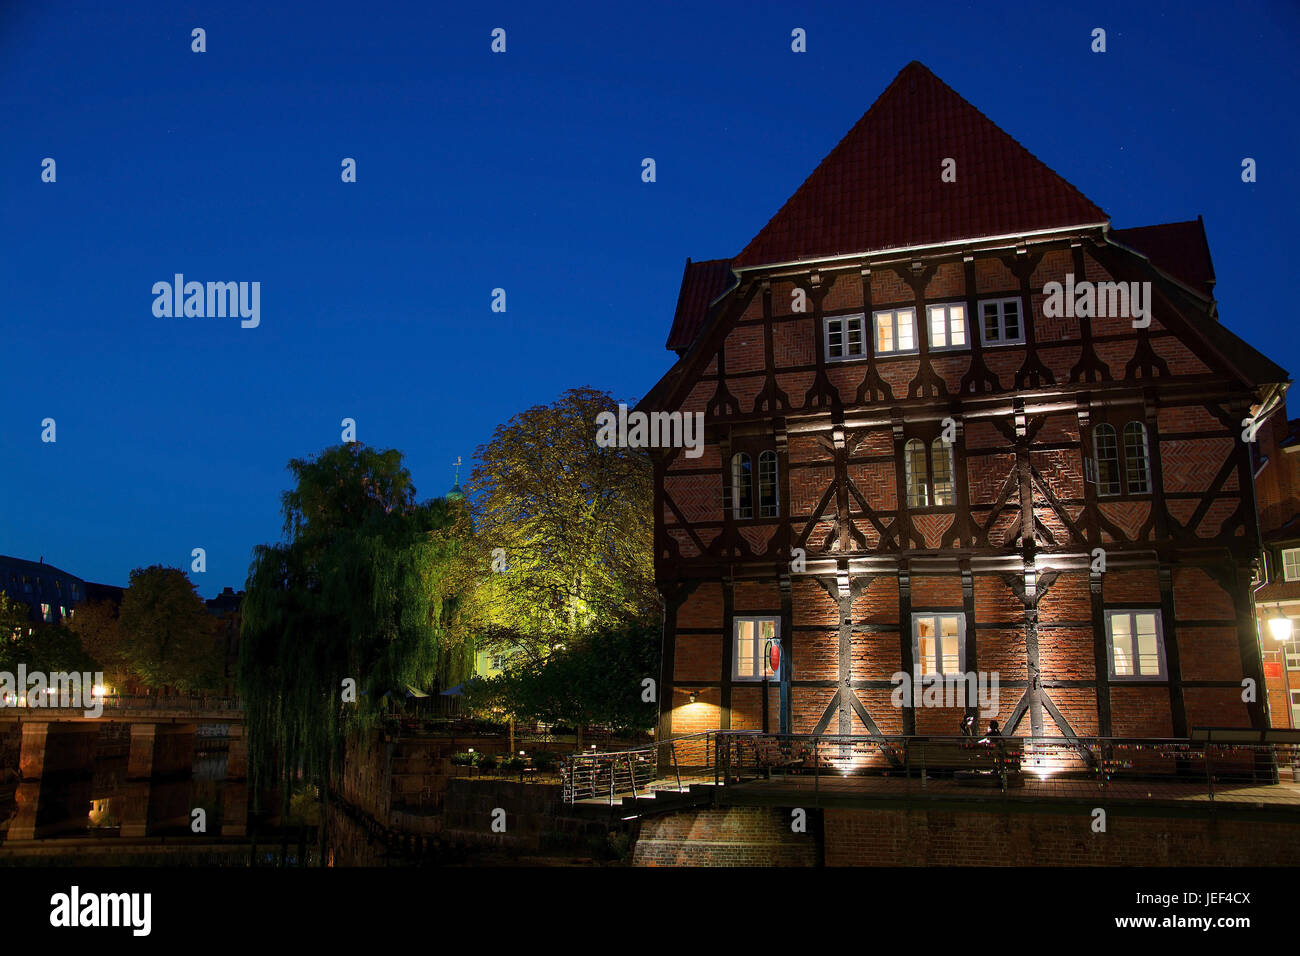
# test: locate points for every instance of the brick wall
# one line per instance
(926, 837)
(734, 836)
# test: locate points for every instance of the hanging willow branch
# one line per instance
(361, 591)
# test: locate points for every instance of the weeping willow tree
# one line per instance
(362, 589)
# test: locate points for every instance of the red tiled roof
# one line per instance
(702, 282)
(1179, 248)
(880, 188)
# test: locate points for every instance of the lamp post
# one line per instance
(1281, 629)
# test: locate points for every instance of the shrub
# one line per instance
(545, 760)
(465, 759)
(487, 762)
(513, 764)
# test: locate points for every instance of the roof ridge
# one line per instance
(857, 200)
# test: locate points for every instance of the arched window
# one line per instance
(916, 474)
(1136, 458)
(1106, 448)
(742, 486)
(767, 495)
(941, 463)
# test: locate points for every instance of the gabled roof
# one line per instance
(702, 282)
(880, 188)
(1178, 248)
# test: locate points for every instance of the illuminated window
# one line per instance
(752, 634)
(1106, 448)
(767, 491)
(895, 331)
(938, 643)
(916, 474)
(947, 326)
(1136, 645)
(1291, 564)
(45, 613)
(742, 486)
(1000, 322)
(1136, 459)
(846, 337)
(941, 456)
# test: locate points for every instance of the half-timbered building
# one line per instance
(915, 463)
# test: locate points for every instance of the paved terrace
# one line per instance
(1144, 777)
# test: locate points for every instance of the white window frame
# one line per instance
(1002, 321)
(760, 659)
(948, 323)
(857, 318)
(923, 668)
(1291, 648)
(1131, 613)
(1295, 708)
(1292, 573)
(893, 318)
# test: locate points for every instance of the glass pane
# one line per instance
(767, 485)
(925, 650)
(742, 487)
(1011, 319)
(834, 338)
(906, 324)
(938, 326)
(1123, 647)
(914, 472)
(951, 662)
(1135, 455)
(992, 330)
(1107, 450)
(957, 324)
(855, 338)
(1148, 655)
(941, 456)
(885, 332)
(745, 655)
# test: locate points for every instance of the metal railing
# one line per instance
(677, 762)
(883, 765)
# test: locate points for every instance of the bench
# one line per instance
(971, 760)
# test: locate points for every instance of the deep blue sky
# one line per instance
(520, 171)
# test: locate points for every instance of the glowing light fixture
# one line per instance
(1281, 628)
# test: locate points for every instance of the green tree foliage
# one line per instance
(97, 625)
(572, 522)
(362, 589)
(595, 679)
(167, 636)
(48, 647)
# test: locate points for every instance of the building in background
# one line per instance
(51, 594)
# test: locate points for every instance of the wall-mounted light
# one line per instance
(1281, 628)
(691, 695)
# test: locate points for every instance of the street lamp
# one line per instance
(1281, 628)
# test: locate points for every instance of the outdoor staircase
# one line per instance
(660, 799)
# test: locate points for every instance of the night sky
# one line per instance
(519, 171)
